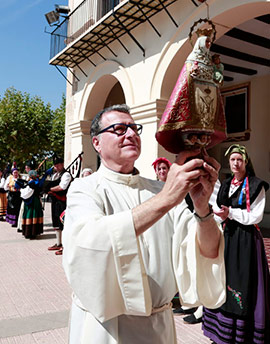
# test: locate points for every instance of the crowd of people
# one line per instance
(130, 244)
(21, 198)
(141, 241)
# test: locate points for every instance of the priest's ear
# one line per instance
(96, 144)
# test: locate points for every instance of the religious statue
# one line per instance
(194, 116)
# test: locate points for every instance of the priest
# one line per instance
(131, 243)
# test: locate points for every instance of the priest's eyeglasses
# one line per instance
(121, 128)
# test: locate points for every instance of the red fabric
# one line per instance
(179, 116)
(236, 182)
(159, 160)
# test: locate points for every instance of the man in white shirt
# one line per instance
(131, 243)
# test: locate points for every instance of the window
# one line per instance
(236, 103)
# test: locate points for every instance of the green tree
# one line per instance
(57, 135)
(28, 128)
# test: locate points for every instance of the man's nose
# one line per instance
(130, 132)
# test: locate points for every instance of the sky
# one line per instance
(25, 50)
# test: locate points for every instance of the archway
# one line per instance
(106, 91)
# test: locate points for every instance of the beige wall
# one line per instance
(259, 145)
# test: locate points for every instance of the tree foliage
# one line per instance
(29, 128)
(57, 136)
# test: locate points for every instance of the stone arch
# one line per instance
(100, 85)
(100, 89)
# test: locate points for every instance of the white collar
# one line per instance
(121, 178)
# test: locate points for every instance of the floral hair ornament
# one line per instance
(160, 160)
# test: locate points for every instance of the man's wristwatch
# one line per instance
(206, 217)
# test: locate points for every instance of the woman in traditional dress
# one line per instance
(161, 167)
(195, 106)
(3, 197)
(28, 167)
(245, 316)
(14, 199)
(32, 219)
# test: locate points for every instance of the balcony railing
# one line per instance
(80, 20)
(95, 24)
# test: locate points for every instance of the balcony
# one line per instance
(94, 24)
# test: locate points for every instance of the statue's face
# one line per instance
(208, 43)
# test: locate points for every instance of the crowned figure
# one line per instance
(194, 116)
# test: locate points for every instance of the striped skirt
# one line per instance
(32, 220)
(225, 327)
(3, 204)
(13, 207)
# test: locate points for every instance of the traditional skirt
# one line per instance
(58, 207)
(13, 207)
(3, 204)
(32, 220)
(245, 316)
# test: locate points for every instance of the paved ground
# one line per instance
(35, 296)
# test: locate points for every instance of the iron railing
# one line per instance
(80, 20)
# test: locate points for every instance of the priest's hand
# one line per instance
(201, 192)
(208, 234)
(188, 174)
(184, 175)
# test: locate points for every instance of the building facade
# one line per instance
(133, 51)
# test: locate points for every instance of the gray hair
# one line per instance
(87, 169)
(96, 122)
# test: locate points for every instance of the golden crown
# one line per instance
(209, 32)
(205, 32)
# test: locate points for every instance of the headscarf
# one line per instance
(200, 53)
(236, 148)
(14, 169)
(32, 173)
(159, 160)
